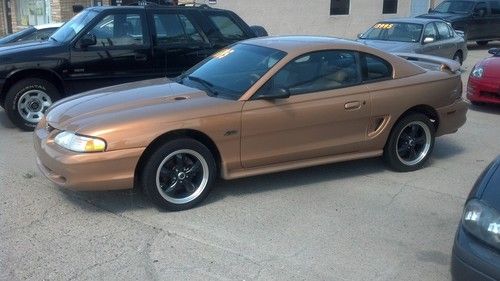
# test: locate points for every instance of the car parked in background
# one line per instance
(103, 46)
(476, 251)
(479, 19)
(260, 106)
(484, 80)
(37, 32)
(413, 35)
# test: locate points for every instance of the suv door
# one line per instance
(121, 51)
(327, 113)
(178, 41)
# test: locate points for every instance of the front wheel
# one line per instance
(179, 174)
(27, 101)
(410, 143)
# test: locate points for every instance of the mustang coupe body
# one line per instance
(259, 106)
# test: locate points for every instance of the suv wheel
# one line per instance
(27, 101)
(179, 174)
(410, 143)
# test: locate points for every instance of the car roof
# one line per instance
(411, 20)
(303, 42)
(154, 7)
(49, 25)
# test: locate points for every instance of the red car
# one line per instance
(484, 80)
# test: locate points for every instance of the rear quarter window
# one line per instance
(375, 68)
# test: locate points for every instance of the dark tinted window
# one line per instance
(175, 28)
(430, 31)
(390, 7)
(227, 27)
(375, 68)
(316, 72)
(43, 34)
(480, 9)
(495, 7)
(455, 7)
(339, 7)
(119, 30)
(443, 30)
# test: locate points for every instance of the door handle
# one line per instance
(141, 57)
(352, 105)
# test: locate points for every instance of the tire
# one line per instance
(27, 100)
(477, 103)
(482, 43)
(458, 57)
(410, 143)
(166, 176)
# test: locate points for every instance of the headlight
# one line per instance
(477, 72)
(483, 222)
(77, 143)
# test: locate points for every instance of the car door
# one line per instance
(446, 42)
(478, 26)
(430, 48)
(120, 51)
(178, 41)
(327, 112)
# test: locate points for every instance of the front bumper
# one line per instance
(452, 117)
(472, 260)
(485, 90)
(84, 171)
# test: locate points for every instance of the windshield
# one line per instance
(393, 31)
(455, 7)
(16, 36)
(230, 72)
(71, 28)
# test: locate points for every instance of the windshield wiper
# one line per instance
(209, 86)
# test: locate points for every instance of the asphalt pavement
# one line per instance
(347, 221)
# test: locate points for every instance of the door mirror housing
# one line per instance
(360, 35)
(88, 39)
(494, 51)
(280, 93)
(429, 11)
(428, 40)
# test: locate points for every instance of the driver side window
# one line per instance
(119, 30)
(430, 31)
(315, 72)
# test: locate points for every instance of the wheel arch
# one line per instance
(21, 74)
(427, 110)
(171, 135)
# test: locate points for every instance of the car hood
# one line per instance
(443, 16)
(141, 103)
(491, 67)
(390, 46)
(18, 47)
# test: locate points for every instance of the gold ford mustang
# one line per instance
(260, 106)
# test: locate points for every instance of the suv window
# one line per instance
(174, 29)
(227, 27)
(480, 9)
(430, 31)
(316, 72)
(119, 30)
(375, 68)
(495, 7)
(443, 30)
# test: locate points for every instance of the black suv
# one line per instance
(479, 19)
(103, 46)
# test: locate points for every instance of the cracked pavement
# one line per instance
(347, 221)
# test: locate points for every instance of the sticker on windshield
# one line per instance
(223, 53)
(383, 26)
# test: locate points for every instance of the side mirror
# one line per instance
(428, 40)
(259, 31)
(360, 35)
(429, 11)
(479, 13)
(494, 51)
(88, 39)
(274, 94)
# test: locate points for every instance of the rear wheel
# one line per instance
(458, 57)
(27, 101)
(477, 103)
(179, 174)
(410, 143)
(482, 43)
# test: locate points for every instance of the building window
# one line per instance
(390, 7)
(339, 7)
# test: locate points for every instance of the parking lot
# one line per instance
(348, 221)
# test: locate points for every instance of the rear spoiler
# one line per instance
(443, 63)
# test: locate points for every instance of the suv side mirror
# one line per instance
(274, 94)
(494, 51)
(360, 35)
(88, 39)
(479, 13)
(259, 31)
(429, 39)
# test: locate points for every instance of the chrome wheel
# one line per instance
(182, 176)
(413, 143)
(32, 105)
